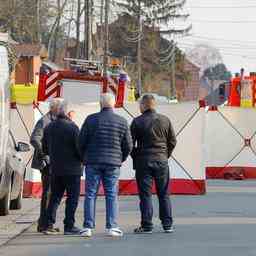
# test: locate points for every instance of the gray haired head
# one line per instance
(63, 108)
(54, 105)
(107, 100)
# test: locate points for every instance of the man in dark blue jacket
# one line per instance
(105, 143)
(60, 142)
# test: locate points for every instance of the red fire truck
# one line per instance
(243, 90)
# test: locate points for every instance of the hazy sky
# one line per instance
(236, 40)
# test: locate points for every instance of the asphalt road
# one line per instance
(221, 223)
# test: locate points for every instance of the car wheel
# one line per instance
(5, 202)
(16, 204)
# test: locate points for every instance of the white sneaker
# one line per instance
(115, 232)
(86, 232)
(169, 230)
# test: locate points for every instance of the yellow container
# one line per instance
(246, 104)
(24, 94)
(246, 93)
(131, 95)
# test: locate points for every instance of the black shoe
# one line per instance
(41, 229)
(56, 229)
(141, 230)
(72, 231)
(51, 231)
(168, 229)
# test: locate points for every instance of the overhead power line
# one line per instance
(232, 47)
(223, 40)
(226, 53)
(222, 7)
(234, 51)
(224, 21)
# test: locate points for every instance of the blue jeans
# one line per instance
(109, 176)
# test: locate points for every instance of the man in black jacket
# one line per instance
(60, 143)
(154, 140)
(41, 161)
(105, 143)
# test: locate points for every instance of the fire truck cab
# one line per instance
(243, 91)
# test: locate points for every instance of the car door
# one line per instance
(16, 162)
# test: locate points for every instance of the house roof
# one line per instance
(5, 37)
(29, 50)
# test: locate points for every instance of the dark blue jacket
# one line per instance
(105, 139)
(60, 142)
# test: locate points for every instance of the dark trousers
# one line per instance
(146, 172)
(60, 185)
(46, 191)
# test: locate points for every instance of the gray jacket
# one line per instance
(40, 160)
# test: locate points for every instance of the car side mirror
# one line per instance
(22, 147)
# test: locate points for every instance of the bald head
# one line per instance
(148, 102)
(107, 100)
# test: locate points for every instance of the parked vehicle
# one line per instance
(12, 166)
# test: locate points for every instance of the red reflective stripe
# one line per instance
(219, 172)
(129, 187)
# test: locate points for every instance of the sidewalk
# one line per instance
(17, 221)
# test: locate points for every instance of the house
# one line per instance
(188, 89)
(30, 57)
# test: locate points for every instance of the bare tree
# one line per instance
(56, 24)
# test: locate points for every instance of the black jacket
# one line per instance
(105, 139)
(40, 160)
(60, 143)
(153, 137)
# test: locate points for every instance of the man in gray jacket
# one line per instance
(41, 161)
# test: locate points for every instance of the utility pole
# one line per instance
(78, 23)
(139, 57)
(87, 26)
(101, 23)
(173, 82)
(38, 7)
(106, 37)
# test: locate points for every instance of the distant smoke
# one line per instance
(204, 56)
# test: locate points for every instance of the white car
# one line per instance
(12, 166)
